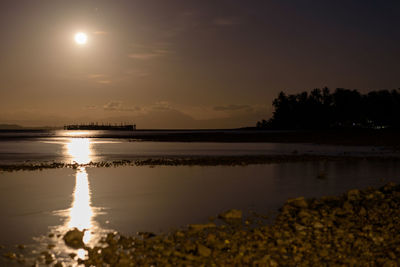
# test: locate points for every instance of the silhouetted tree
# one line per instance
(344, 108)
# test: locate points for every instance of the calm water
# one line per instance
(128, 199)
(131, 199)
(84, 150)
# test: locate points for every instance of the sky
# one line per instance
(186, 63)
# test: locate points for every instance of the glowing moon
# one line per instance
(81, 38)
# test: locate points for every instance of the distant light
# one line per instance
(81, 38)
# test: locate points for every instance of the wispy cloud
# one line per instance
(143, 56)
(100, 32)
(162, 105)
(149, 51)
(118, 106)
(99, 78)
(149, 55)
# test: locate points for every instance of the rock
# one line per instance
(299, 202)
(10, 255)
(146, 235)
(304, 214)
(203, 250)
(299, 227)
(318, 225)
(72, 255)
(74, 238)
(348, 207)
(48, 257)
(356, 228)
(232, 214)
(201, 227)
(353, 194)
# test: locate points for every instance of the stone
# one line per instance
(201, 227)
(10, 255)
(318, 225)
(74, 238)
(232, 214)
(299, 202)
(353, 194)
(203, 250)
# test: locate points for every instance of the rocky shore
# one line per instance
(358, 228)
(195, 161)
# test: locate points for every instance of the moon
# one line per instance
(81, 38)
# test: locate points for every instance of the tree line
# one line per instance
(344, 108)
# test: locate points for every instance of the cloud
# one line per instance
(146, 52)
(143, 56)
(149, 55)
(162, 105)
(100, 32)
(113, 105)
(118, 106)
(233, 107)
(99, 78)
(225, 22)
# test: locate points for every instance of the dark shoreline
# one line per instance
(349, 137)
(194, 161)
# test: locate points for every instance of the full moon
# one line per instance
(81, 38)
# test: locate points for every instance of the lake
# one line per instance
(35, 205)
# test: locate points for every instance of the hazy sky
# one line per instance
(186, 64)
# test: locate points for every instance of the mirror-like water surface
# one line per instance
(131, 199)
(39, 207)
(83, 150)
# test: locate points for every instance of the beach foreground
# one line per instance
(358, 228)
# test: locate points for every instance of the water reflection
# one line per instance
(81, 213)
(79, 150)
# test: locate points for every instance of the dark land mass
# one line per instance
(360, 137)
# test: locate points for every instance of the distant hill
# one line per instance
(10, 127)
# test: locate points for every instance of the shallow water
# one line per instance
(83, 150)
(34, 204)
(130, 199)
